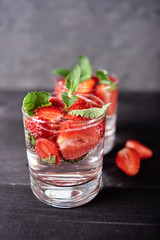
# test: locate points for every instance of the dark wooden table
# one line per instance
(126, 208)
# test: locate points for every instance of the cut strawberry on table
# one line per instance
(128, 161)
(57, 103)
(51, 113)
(86, 86)
(143, 151)
(73, 143)
(104, 93)
(47, 151)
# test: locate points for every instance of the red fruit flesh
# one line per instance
(107, 96)
(46, 148)
(40, 129)
(76, 118)
(84, 103)
(37, 128)
(86, 86)
(143, 151)
(101, 127)
(113, 79)
(128, 161)
(51, 114)
(56, 102)
(73, 144)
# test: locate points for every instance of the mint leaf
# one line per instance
(63, 72)
(51, 160)
(86, 68)
(101, 74)
(35, 100)
(72, 79)
(90, 112)
(68, 101)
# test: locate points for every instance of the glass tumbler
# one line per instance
(107, 95)
(76, 179)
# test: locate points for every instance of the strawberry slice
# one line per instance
(57, 103)
(143, 151)
(47, 151)
(76, 118)
(86, 86)
(100, 126)
(51, 114)
(128, 161)
(84, 103)
(38, 128)
(74, 143)
(107, 96)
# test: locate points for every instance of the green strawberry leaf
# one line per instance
(75, 161)
(90, 112)
(72, 79)
(32, 140)
(101, 74)
(51, 160)
(86, 68)
(68, 100)
(35, 100)
(63, 72)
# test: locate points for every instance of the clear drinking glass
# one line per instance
(107, 96)
(71, 183)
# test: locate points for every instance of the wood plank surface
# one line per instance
(126, 207)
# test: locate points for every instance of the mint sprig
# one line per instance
(72, 82)
(68, 101)
(86, 68)
(90, 112)
(63, 72)
(72, 79)
(35, 100)
(104, 79)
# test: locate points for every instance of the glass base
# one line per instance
(65, 197)
(110, 133)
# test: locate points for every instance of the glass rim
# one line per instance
(76, 124)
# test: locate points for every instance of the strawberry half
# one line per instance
(51, 113)
(86, 86)
(107, 96)
(47, 151)
(56, 102)
(84, 103)
(143, 151)
(73, 143)
(101, 127)
(38, 128)
(128, 161)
